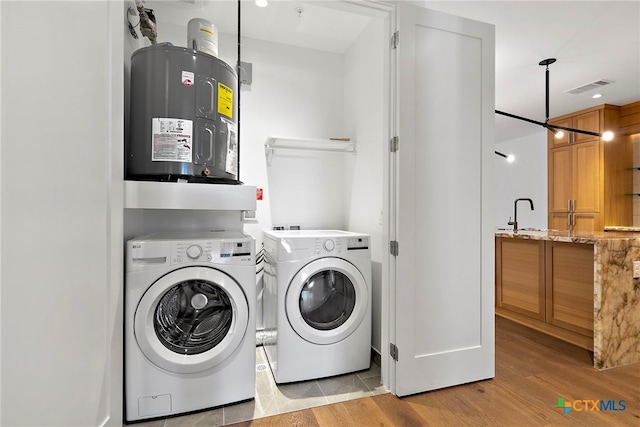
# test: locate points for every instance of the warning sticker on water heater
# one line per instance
(225, 100)
(172, 140)
(187, 78)
(231, 163)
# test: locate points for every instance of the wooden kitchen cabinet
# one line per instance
(589, 120)
(548, 286)
(520, 276)
(559, 221)
(575, 187)
(569, 286)
(588, 178)
(560, 169)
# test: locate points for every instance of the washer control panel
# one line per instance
(331, 245)
(358, 243)
(194, 251)
(214, 251)
(163, 249)
(183, 252)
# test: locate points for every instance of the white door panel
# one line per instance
(444, 269)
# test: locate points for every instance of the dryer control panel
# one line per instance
(290, 245)
(328, 245)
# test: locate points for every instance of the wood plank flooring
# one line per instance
(532, 372)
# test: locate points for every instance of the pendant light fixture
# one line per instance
(557, 130)
(510, 158)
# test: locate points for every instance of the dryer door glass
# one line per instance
(327, 299)
(193, 317)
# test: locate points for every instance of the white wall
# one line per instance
(364, 105)
(295, 93)
(525, 177)
(61, 207)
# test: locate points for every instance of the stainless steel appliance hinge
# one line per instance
(394, 247)
(395, 39)
(393, 144)
(393, 351)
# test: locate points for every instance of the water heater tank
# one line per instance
(182, 118)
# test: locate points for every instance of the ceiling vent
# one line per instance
(590, 86)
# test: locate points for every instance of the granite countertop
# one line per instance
(621, 228)
(570, 236)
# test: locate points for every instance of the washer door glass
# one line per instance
(327, 300)
(191, 319)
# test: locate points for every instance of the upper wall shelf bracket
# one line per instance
(344, 145)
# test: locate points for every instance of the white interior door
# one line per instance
(442, 278)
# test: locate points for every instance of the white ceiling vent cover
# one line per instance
(590, 86)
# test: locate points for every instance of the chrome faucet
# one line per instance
(515, 213)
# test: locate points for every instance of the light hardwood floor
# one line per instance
(532, 372)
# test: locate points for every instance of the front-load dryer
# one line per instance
(189, 322)
(316, 303)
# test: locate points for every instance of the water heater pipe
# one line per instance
(147, 22)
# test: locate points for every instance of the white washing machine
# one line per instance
(316, 303)
(189, 322)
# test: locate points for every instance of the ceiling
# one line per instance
(592, 40)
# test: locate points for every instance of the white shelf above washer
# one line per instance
(344, 145)
(188, 196)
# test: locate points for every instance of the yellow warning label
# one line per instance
(206, 30)
(225, 100)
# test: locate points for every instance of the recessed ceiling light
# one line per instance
(262, 3)
(597, 95)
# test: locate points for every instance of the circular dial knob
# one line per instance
(329, 245)
(194, 251)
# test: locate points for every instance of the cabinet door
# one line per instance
(586, 177)
(566, 221)
(588, 121)
(560, 142)
(520, 276)
(560, 179)
(570, 286)
(586, 222)
(560, 221)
